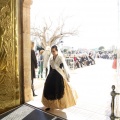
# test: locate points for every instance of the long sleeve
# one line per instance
(33, 58)
(66, 69)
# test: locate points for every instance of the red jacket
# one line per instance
(114, 66)
(75, 58)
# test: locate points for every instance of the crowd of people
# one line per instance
(86, 58)
(81, 60)
(78, 59)
(105, 55)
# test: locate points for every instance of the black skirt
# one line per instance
(54, 86)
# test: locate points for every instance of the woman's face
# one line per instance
(54, 52)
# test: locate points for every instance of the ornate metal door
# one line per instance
(9, 67)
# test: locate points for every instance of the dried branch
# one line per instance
(58, 33)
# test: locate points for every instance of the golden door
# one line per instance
(9, 67)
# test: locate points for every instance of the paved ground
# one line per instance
(93, 85)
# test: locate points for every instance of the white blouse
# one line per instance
(55, 63)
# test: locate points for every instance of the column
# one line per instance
(26, 51)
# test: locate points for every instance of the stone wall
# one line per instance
(26, 51)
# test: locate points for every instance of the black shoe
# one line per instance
(34, 95)
(47, 109)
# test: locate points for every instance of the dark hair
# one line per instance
(54, 47)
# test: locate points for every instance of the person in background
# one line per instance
(91, 59)
(40, 72)
(46, 55)
(33, 66)
(114, 65)
(86, 60)
(77, 63)
(75, 58)
(81, 60)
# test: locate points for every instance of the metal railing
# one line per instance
(113, 94)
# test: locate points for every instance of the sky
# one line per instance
(96, 20)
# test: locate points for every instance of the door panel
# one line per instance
(9, 68)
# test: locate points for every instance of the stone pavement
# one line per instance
(93, 85)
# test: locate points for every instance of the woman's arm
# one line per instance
(65, 67)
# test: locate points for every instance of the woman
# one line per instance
(57, 93)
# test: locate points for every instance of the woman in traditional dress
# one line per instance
(57, 93)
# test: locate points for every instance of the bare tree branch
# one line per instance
(58, 33)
